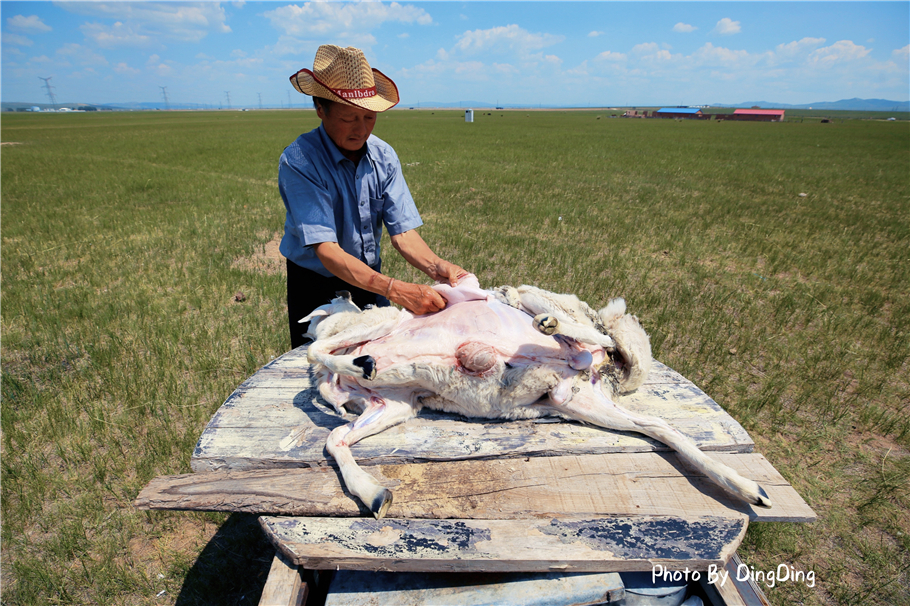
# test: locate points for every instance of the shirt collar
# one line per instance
(333, 150)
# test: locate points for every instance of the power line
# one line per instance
(50, 93)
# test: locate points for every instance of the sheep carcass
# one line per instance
(505, 353)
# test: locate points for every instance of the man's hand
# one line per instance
(416, 298)
(443, 271)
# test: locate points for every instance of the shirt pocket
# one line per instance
(376, 212)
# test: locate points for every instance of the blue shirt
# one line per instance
(329, 199)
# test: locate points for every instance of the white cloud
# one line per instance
(16, 40)
(718, 55)
(125, 70)
(684, 28)
(31, 24)
(334, 18)
(727, 26)
(161, 21)
(117, 35)
(902, 54)
(158, 67)
(81, 55)
(469, 68)
(594, 34)
(646, 48)
(839, 52)
(500, 39)
(499, 54)
(797, 47)
(610, 56)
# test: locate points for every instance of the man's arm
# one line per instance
(416, 252)
(416, 298)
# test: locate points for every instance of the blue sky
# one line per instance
(529, 53)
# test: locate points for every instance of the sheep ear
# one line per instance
(313, 314)
(616, 307)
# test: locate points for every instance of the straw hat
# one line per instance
(343, 75)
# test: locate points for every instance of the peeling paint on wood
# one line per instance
(567, 544)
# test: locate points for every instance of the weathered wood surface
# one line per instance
(604, 544)
(284, 587)
(277, 419)
(626, 484)
(369, 588)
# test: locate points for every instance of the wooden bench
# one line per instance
(477, 495)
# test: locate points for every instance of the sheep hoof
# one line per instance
(381, 504)
(368, 365)
(546, 324)
(763, 499)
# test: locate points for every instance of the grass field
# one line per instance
(770, 264)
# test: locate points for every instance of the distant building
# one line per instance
(686, 113)
(758, 115)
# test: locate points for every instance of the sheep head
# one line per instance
(321, 320)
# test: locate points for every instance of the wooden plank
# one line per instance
(277, 419)
(362, 588)
(734, 592)
(629, 484)
(612, 544)
(284, 587)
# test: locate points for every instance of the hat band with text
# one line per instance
(354, 93)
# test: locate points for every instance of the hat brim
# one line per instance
(386, 96)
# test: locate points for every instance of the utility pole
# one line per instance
(50, 92)
(164, 92)
(228, 95)
(260, 100)
(289, 99)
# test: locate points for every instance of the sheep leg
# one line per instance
(379, 415)
(591, 405)
(352, 366)
(552, 324)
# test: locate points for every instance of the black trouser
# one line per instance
(307, 290)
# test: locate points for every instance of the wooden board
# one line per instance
(364, 588)
(625, 484)
(606, 544)
(284, 587)
(277, 419)
(477, 495)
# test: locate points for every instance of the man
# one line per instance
(340, 185)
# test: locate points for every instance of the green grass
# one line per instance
(123, 237)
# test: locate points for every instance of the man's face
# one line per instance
(349, 127)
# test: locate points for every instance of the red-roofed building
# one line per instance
(760, 115)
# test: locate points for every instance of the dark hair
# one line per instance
(325, 104)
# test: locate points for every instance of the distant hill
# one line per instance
(868, 105)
